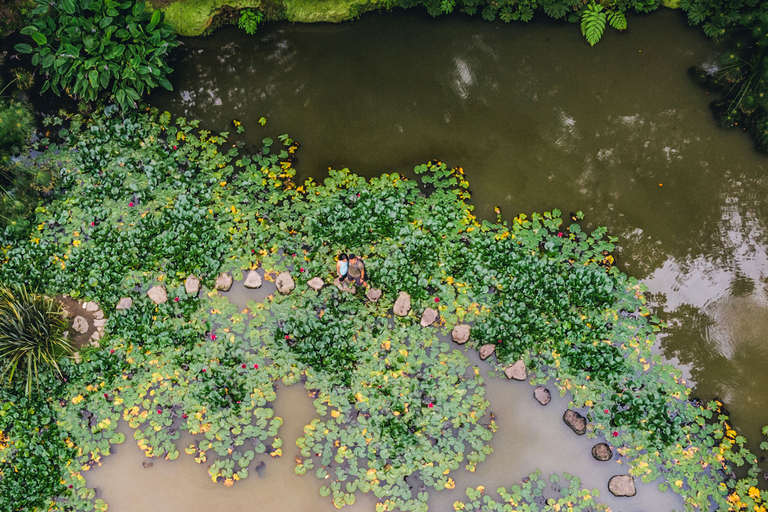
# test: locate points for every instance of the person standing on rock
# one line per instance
(356, 270)
(341, 267)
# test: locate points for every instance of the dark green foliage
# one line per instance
(31, 336)
(16, 127)
(742, 73)
(32, 453)
(249, 20)
(90, 47)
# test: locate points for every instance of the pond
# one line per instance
(538, 120)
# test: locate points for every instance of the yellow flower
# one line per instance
(76, 242)
(236, 122)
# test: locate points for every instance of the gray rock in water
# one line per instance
(428, 317)
(516, 371)
(602, 452)
(192, 284)
(124, 303)
(460, 333)
(542, 395)
(402, 305)
(252, 280)
(316, 284)
(224, 281)
(622, 486)
(487, 351)
(284, 283)
(373, 295)
(158, 294)
(576, 421)
(80, 324)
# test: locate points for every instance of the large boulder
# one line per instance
(124, 303)
(487, 351)
(80, 324)
(373, 295)
(284, 283)
(602, 452)
(516, 371)
(428, 317)
(252, 280)
(542, 395)
(192, 284)
(622, 486)
(224, 281)
(316, 284)
(158, 295)
(402, 305)
(576, 421)
(460, 334)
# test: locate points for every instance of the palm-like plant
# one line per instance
(31, 335)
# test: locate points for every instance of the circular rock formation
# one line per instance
(602, 452)
(542, 395)
(402, 305)
(576, 421)
(622, 486)
(284, 283)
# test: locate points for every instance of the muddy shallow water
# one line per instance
(538, 120)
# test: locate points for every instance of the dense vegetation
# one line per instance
(143, 201)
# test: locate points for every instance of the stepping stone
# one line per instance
(542, 395)
(252, 280)
(460, 333)
(80, 324)
(99, 323)
(402, 305)
(373, 295)
(576, 421)
(622, 486)
(98, 315)
(158, 294)
(192, 284)
(487, 351)
(428, 317)
(90, 306)
(516, 371)
(316, 284)
(284, 283)
(224, 282)
(124, 303)
(602, 452)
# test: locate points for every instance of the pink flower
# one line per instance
(203, 370)
(131, 204)
(175, 147)
(242, 365)
(358, 195)
(213, 337)
(253, 251)
(112, 351)
(606, 411)
(294, 255)
(301, 269)
(431, 405)
(159, 411)
(176, 299)
(615, 434)
(560, 235)
(437, 299)
(93, 223)
(256, 366)
(287, 336)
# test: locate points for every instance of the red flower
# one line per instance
(176, 299)
(70, 486)
(301, 269)
(159, 411)
(287, 336)
(606, 411)
(253, 251)
(93, 223)
(431, 405)
(106, 395)
(437, 299)
(112, 351)
(358, 195)
(203, 370)
(175, 147)
(213, 337)
(184, 416)
(256, 366)
(131, 204)
(560, 235)
(615, 434)
(294, 255)
(242, 365)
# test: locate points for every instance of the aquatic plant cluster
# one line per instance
(146, 201)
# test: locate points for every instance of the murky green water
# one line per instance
(538, 120)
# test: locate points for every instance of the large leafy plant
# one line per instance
(89, 47)
(593, 20)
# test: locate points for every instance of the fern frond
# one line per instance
(617, 20)
(593, 23)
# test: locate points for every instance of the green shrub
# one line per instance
(31, 335)
(16, 127)
(249, 20)
(87, 47)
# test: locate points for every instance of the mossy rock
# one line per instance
(192, 17)
(310, 11)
